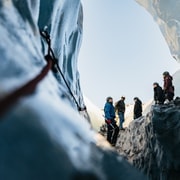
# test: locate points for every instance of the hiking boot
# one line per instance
(121, 129)
(113, 144)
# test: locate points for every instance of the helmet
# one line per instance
(166, 73)
(155, 83)
(123, 97)
(108, 98)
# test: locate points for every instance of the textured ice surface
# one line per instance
(166, 14)
(43, 136)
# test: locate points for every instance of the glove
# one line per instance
(108, 121)
(156, 102)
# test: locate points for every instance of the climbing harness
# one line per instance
(109, 123)
(27, 89)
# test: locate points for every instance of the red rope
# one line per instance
(27, 89)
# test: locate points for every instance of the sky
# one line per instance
(122, 53)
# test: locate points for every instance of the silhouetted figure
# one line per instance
(168, 86)
(113, 129)
(120, 107)
(158, 94)
(137, 108)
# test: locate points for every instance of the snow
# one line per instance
(95, 113)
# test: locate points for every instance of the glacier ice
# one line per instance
(43, 136)
(166, 14)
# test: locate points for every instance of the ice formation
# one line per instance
(166, 14)
(42, 135)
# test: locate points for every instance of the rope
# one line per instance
(46, 36)
(25, 90)
(30, 87)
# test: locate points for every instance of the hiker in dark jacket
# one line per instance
(158, 94)
(168, 86)
(137, 108)
(120, 107)
(113, 129)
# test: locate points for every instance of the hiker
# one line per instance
(137, 108)
(158, 94)
(113, 129)
(120, 107)
(168, 86)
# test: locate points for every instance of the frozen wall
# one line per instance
(42, 135)
(22, 41)
(166, 14)
(64, 21)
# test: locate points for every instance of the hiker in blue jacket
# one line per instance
(113, 129)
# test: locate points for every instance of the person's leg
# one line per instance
(109, 133)
(121, 120)
(115, 135)
(170, 96)
(139, 115)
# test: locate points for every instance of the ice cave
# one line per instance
(45, 130)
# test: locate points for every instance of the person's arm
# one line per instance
(122, 106)
(107, 112)
(155, 95)
(141, 108)
(167, 83)
(108, 116)
(135, 108)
